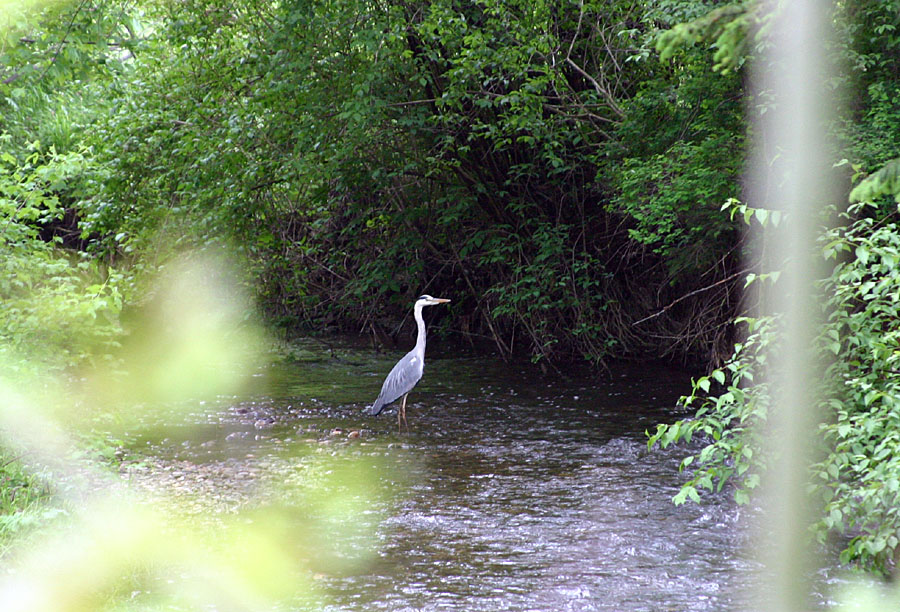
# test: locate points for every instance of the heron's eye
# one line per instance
(424, 297)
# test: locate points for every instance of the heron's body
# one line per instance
(404, 376)
(402, 379)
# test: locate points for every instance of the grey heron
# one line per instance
(408, 371)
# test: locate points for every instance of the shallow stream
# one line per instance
(513, 490)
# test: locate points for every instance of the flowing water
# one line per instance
(513, 490)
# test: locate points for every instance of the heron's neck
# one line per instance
(420, 323)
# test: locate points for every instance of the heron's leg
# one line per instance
(403, 413)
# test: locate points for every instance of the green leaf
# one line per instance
(886, 181)
(762, 215)
(687, 491)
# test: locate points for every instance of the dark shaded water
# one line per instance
(512, 491)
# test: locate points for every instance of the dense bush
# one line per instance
(521, 157)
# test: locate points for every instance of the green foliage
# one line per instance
(56, 59)
(869, 50)
(545, 278)
(731, 404)
(60, 309)
(48, 44)
(870, 47)
(25, 500)
(860, 476)
(857, 480)
(724, 28)
(348, 152)
(356, 156)
(884, 182)
(679, 155)
(677, 211)
(355, 153)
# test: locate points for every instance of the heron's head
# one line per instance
(427, 300)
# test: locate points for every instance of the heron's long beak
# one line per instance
(441, 300)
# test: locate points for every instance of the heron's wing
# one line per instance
(400, 381)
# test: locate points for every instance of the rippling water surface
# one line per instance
(513, 490)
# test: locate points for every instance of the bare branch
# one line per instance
(691, 293)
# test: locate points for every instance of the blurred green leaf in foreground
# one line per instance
(112, 550)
